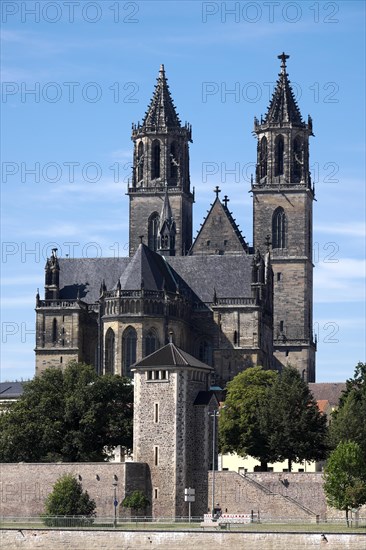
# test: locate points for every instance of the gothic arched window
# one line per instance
(205, 352)
(151, 342)
(279, 229)
(297, 158)
(155, 159)
(153, 231)
(54, 331)
(140, 161)
(263, 158)
(109, 352)
(279, 150)
(173, 162)
(129, 343)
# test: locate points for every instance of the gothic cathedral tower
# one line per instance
(160, 196)
(283, 200)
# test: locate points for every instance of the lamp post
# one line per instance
(115, 503)
(214, 415)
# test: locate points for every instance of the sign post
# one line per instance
(189, 496)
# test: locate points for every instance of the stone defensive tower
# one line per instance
(282, 208)
(160, 196)
(172, 428)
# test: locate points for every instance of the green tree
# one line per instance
(136, 501)
(72, 415)
(345, 477)
(348, 422)
(242, 428)
(68, 499)
(298, 431)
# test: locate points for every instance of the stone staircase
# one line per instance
(238, 493)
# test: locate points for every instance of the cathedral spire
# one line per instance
(161, 167)
(161, 113)
(283, 107)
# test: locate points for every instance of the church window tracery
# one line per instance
(297, 158)
(153, 231)
(279, 229)
(279, 151)
(173, 162)
(155, 167)
(151, 342)
(140, 161)
(109, 351)
(263, 158)
(54, 331)
(129, 343)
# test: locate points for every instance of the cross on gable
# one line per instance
(226, 200)
(217, 190)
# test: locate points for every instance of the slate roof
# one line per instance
(149, 270)
(230, 276)
(330, 391)
(86, 275)
(171, 356)
(204, 397)
(11, 390)
(196, 276)
(161, 112)
(283, 106)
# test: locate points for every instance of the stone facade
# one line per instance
(174, 540)
(230, 305)
(282, 209)
(24, 487)
(172, 429)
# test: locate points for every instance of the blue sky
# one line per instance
(77, 74)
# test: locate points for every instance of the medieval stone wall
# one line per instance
(275, 495)
(24, 487)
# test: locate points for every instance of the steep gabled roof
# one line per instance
(147, 270)
(171, 356)
(161, 113)
(219, 233)
(283, 107)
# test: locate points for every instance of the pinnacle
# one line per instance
(161, 113)
(283, 107)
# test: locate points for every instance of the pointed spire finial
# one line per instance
(161, 70)
(217, 190)
(283, 58)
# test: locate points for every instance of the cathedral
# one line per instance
(226, 303)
